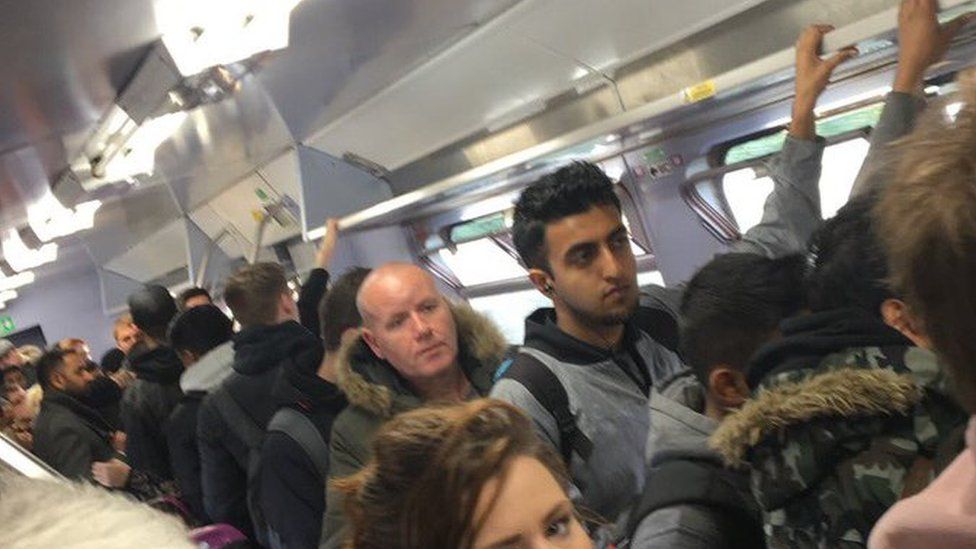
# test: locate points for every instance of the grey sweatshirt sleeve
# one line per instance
(679, 527)
(792, 211)
(897, 120)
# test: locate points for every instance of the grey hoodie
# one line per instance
(680, 431)
(210, 370)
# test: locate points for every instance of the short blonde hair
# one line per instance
(927, 221)
(123, 321)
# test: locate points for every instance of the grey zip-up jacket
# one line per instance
(679, 432)
(610, 407)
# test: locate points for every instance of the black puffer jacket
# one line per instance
(258, 354)
(146, 408)
(292, 492)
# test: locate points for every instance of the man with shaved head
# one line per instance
(415, 347)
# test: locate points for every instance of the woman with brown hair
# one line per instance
(473, 476)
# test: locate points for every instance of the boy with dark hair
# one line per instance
(295, 453)
(730, 307)
(151, 398)
(201, 336)
(595, 353)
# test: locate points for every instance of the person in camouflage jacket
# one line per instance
(848, 418)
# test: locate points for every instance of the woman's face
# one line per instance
(527, 509)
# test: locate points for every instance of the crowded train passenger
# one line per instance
(317, 282)
(105, 392)
(17, 413)
(415, 348)
(30, 353)
(201, 336)
(10, 356)
(154, 394)
(927, 221)
(69, 515)
(593, 353)
(112, 361)
(839, 393)
(472, 476)
(691, 499)
(845, 388)
(126, 333)
(72, 437)
(295, 453)
(232, 418)
(193, 297)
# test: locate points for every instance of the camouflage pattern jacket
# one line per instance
(847, 418)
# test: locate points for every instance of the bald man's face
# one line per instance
(408, 323)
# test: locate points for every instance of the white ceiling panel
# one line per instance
(529, 54)
(241, 205)
(609, 34)
(155, 256)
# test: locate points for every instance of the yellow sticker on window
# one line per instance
(700, 92)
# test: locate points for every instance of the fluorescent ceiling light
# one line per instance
(20, 257)
(49, 219)
(200, 35)
(138, 154)
(8, 295)
(19, 280)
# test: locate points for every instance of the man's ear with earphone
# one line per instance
(541, 280)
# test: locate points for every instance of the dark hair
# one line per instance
(848, 266)
(421, 487)
(50, 362)
(200, 329)
(252, 293)
(152, 309)
(927, 220)
(338, 311)
(568, 191)
(112, 360)
(733, 305)
(190, 293)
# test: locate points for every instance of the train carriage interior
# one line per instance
(170, 142)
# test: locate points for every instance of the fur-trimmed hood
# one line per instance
(372, 384)
(839, 393)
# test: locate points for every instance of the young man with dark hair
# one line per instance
(850, 414)
(691, 499)
(194, 297)
(594, 353)
(295, 453)
(151, 398)
(201, 336)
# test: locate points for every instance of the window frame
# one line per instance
(721, 223)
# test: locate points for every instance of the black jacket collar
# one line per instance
(88, 415)
(300, 385)
(159, 365)
(542, 333)
(259, 349)
(809, 338)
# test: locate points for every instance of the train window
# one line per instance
(480, 262)
(831, 126)
(649, 278)
(746, 193)
(508, 311)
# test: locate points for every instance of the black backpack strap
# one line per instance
(241, 424)
(300, 428)
(546, 388)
